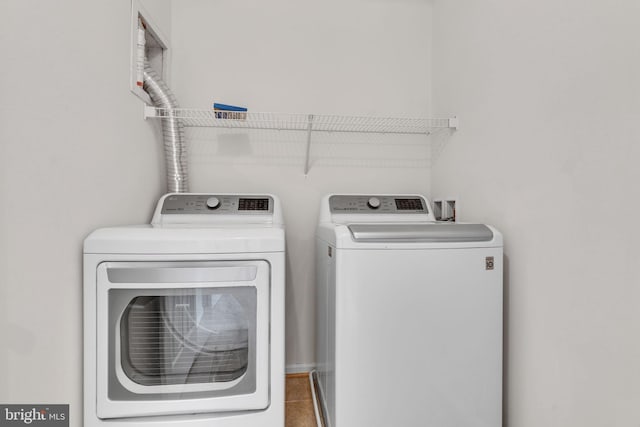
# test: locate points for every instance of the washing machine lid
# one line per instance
(147, 239)
(425, 235)
(420, 232)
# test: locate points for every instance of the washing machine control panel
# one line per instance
(374, 204)
(213, 204)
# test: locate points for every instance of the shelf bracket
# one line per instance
(309, 128)
(454, 123)
(150, 111)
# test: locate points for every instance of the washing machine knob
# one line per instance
(373, 202)
(213, 203)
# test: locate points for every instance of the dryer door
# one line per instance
(182, 337)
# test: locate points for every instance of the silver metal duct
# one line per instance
(172, 130)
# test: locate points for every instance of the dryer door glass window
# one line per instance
(185, 330)
(195, 336)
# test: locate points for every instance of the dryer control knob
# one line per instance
(373, 203)
(213, 203)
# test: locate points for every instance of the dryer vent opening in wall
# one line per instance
(155, 48)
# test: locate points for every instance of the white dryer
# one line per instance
(409, 316)
(184, 318)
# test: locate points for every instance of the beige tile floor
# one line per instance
(299, 402)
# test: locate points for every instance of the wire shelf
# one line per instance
(302, 122)
(308, 123)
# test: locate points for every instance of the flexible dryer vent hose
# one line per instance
(172, 130)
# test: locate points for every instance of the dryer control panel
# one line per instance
(217, 210)
(212, 204)
(373, 204)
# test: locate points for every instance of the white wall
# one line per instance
(358, 57)
(75, 155)
(548, 94)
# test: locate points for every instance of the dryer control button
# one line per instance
(213, 203)
(373, 202)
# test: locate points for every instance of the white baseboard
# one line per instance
(299, 368)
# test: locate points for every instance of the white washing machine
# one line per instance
(184, 318)
(409, 316)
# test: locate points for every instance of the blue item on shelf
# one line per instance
(224, 107)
